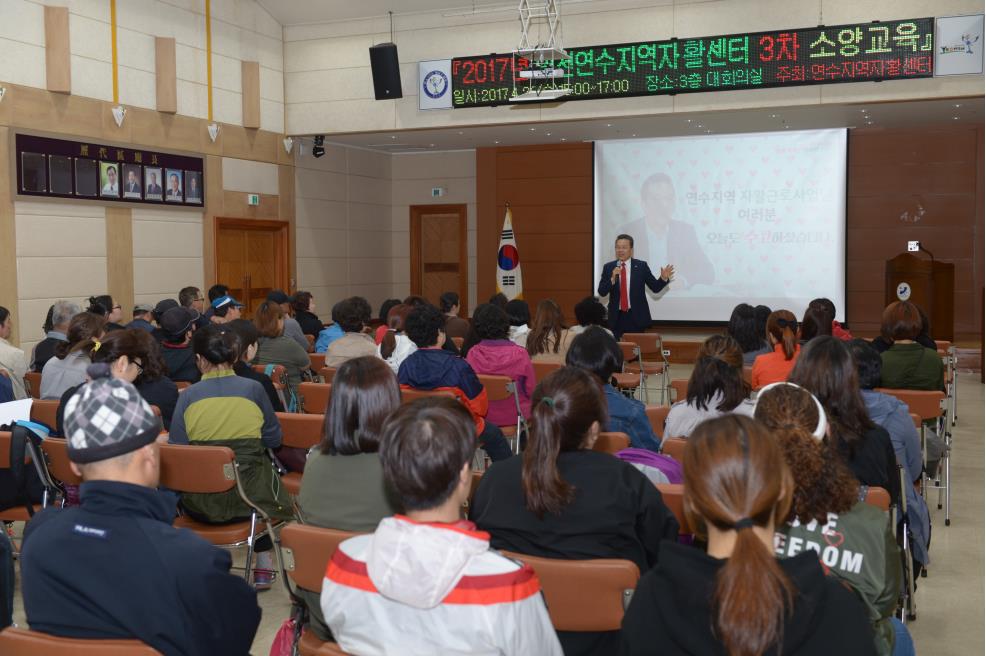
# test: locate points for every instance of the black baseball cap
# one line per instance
(278, 296)
(178, 320)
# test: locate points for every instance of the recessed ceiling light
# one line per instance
(688, 120)
(958, 104)
(633, 135)
(431, 145)
(548, 134)
(460, 132)
(496, 142)
(955, 118)
(532, 129)
(609, 125)
(863, 111)
(564, 139)
(708, 131)
(773, 116)
(699, 125)
(395, 136)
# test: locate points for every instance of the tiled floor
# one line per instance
(950, 600)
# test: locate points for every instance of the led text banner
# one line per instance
(70, 169)
(864, 52)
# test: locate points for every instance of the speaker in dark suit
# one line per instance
(386, 70)
(636, 317)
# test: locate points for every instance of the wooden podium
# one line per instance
(932, 286)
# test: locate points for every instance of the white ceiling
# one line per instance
(869, 116)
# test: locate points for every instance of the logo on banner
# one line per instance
(435, 84)
(959, 45)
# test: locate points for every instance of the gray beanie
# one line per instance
(107, 418)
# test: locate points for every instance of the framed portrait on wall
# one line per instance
(109, 179)
(132, 185)
(86, 177)
(173, 191)
(152, 183)
(193, 187)
(34, 176)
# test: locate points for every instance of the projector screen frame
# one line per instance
(677, 323)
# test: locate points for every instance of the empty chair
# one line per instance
(313, 398)
(651, 362)
(298, 431)
(503, 388)
(627, 379)
(32, 381)
(680, 388)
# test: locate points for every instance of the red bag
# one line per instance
(283, 644)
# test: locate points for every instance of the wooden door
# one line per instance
(251, 259)
(438, 252)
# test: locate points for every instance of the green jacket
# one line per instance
(912, 366)
(859, 548)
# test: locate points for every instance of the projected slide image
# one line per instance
(756, 218)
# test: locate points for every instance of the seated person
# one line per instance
(520, 316)
(455, 326)
(544, 341)
(881, 342)
(225, 309)
(908, 364)
(178, 325)
(131, 575)
(427, 582)
(433, 368)
(588, 312)
(737, 598)
(292, 328)
(354, 316)
(774, 367)
(343, 486)
(142, 318)
(857, 540)
(815, 322)
(250, 344)
(829, 307)
(596, 351)
(303, 304)
(743, 327)
(13, 361)
(715, 388)
(491, 352)
(106, 307)
(396, 345)
(56, 331)
(385, 309)
(826, 369)
(275, 347)
(331, 333)
(561, 499)
(68, 367)
(224, 409)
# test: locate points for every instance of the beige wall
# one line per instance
(328, 86)
(414, 176)
(167, 247)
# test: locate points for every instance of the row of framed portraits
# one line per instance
(64, 175)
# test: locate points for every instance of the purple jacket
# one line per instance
(501, 357)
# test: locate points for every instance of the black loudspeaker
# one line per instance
(386, 71)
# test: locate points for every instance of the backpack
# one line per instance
(6, 579)
(21, 485)
(644, 458)
(291, 402)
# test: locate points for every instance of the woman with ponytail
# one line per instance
(737, 599)
(224, 409)
(395, 346)
(782, 333)
(561, 499)
(111, 312)
(68, 367)
(854, 540)
(716, 387)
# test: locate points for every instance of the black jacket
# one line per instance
(161, 392)
(671, 611)
(114, 567)
(873, 461)
(310, 323)
(640, 275)
(180, 361)
(44, 351)
(243, 369)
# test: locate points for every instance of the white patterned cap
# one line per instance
(107, 418)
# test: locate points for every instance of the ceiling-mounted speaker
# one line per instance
(386, 71)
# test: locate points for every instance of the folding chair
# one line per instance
(878, 497)
(212, 470)
(674, 447)
(657, 415)
(298, 431)
(304, 556)
(316, 361)
(313, 398)
(909, 605)
(651, 359)
(680, 388)
(32, 381)
(627, 380)
(278, 376)
(544, 369)
(22, 642)
(56, 453)
(501, 388)
(45, 411)
(931, 406)
(673, 495)
(947, 352)
(19, 513)
(584, 595)
(327, 374)
(611, 442)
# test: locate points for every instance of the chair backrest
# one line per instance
(316, 361)
(32, 380)
(306, 551)
(680, 387)
(300, 431)
(408, 395)
(877, 496)
(56, 451)
(477, 476)
(926, 404)
(611, 442)
(916, 418)
(5, 449)
(498, 388)
(193, 468)
(657, 414)
(314, 397)
(544, 369)
(674, 447)
(278, 374)
(584, 595)
(650, 344)
(631, 352)
(182, 385)
(748, 374)
(331, 649)
(21, 642)
(327, 374)
(673, 495)
(458, 341)
(45, 412)
(311, 341)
